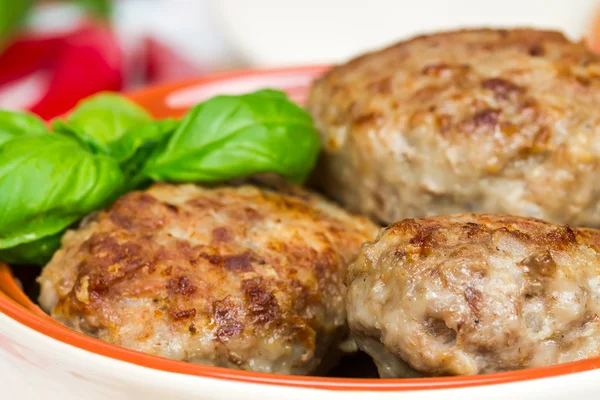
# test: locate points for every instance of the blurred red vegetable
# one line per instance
(76, 64)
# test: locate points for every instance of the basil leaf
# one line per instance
(230, 137)
(38, 252)
(137, 144)
(270, 92)
(15, 124)
(100, 120)
(142, 136)
(47, 183)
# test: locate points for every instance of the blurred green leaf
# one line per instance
(16, 124)
(38, 252)
(101, 119)
(101, 8)
(12, 14)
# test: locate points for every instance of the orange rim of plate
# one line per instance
(16, 305)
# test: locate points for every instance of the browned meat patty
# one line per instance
(239, 277)
(469, 294)
(498, 121)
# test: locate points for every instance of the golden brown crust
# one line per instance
(241, 277)
(472, 120)
(468, 294)
(449, 231)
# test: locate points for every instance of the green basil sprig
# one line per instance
(137, 144)
(235, 136)
(108, 145)
(101, 120)
(14, 124)
(47, 183)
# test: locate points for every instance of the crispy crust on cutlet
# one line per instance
(464, 121)
(233, 276)
(470, 294)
